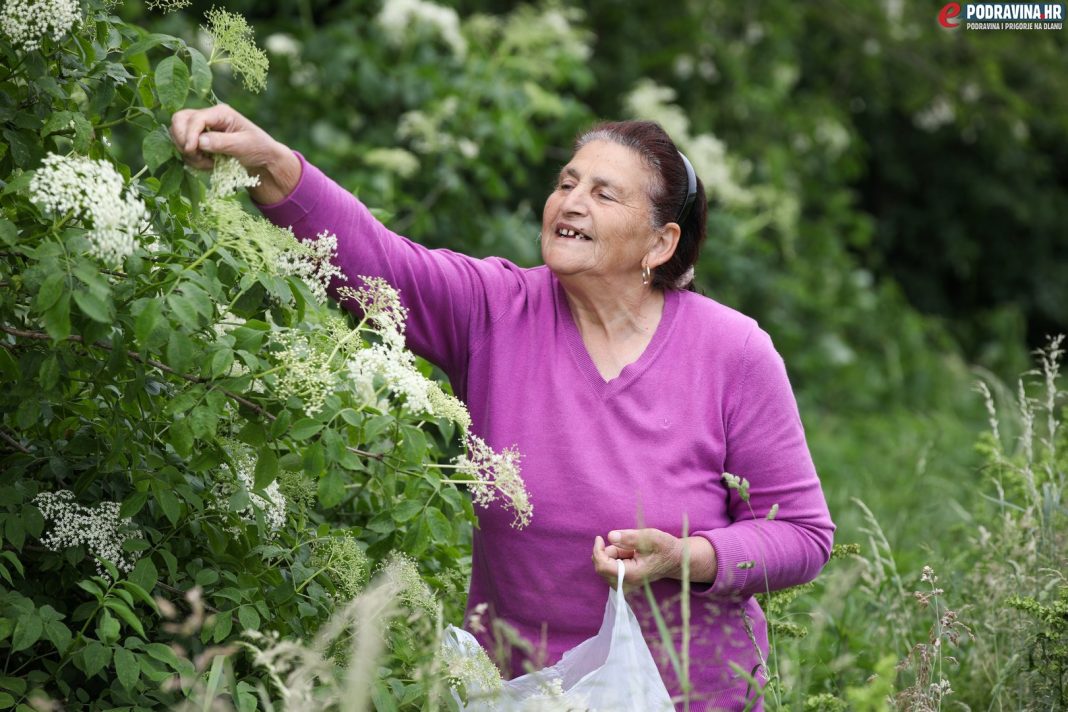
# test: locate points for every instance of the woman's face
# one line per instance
(597, 222)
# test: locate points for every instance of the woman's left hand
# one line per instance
(647, 555)
(652, 554)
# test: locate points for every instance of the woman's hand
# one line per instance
(220, 129)
(650, 555)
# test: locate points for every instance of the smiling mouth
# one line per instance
(573, 234)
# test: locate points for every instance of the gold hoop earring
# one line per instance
(647, 275)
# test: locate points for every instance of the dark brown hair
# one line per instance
(668, 192)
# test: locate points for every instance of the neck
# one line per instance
(612, 312)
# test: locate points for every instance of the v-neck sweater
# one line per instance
(709, 395)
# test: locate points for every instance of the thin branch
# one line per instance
(13, 442)
(259, 410)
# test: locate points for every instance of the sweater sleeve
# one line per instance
(766, 445)
(450, 297)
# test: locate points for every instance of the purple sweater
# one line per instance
(647, 449)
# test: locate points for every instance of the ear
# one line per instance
(664, 243)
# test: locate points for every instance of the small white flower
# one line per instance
(495, 474)
(312, 262)
(28, 22)
(92, 191)
(99, 529)
(228, 177)
(273, 505)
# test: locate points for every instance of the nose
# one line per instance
(575, 201)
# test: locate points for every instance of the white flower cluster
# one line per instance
(398, 16)
(311, 261)
(306, 373)
(228, 177)
(495, 474)
(93, 191)
(27, 22)
(99, 529)
(273, 506)
(397, 368)
(381, 306)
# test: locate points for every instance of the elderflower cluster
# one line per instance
(228, 177)
(311, 261)
(306, 373)
(273, 505)
(399, 17)
(471, 669)
(230, 34)
(27, 22)
(396, 367)
(92, 190)
(167, 5)
(402, 573)
(495, 474)
(99, 529)
(381, 306)
(342, 559)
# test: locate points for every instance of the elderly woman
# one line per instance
(628, 394)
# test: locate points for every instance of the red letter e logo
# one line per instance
(946, 15)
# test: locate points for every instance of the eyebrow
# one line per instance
(597, 180)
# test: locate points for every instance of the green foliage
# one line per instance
(181, 465)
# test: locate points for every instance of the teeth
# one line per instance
(565, 232)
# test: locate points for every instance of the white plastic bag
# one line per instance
(610, 672)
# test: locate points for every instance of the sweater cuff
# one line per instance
(301, 200)
(730, 552)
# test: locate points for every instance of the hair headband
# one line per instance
(691, 190)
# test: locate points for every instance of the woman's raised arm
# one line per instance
(221, 129)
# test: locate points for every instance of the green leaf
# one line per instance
(141, 592)
(157, 148)
(164, 654)
(440, 527)
(28, 631)
(146, 43)
(128, 616)
(133, 504)
(186, 311)
(172, 83)
(50, 291)
(107, 628)
(48, 374)
(200, 76)
(9, 234)
(224, 623)
(221, 361)
(58, 634)
(314, 460)
(6, 701)
(305, 428)
(94, 657)
(94, 307)
(15, 684)
(147, 322)
(181, 437)
(179, 351)
(169, 503)
(57, 318)
(127, 668)
(332, 489)
(406, 510)
(250, 619)
(266, 468)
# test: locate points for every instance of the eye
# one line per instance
(606, 196)
(565, 185)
